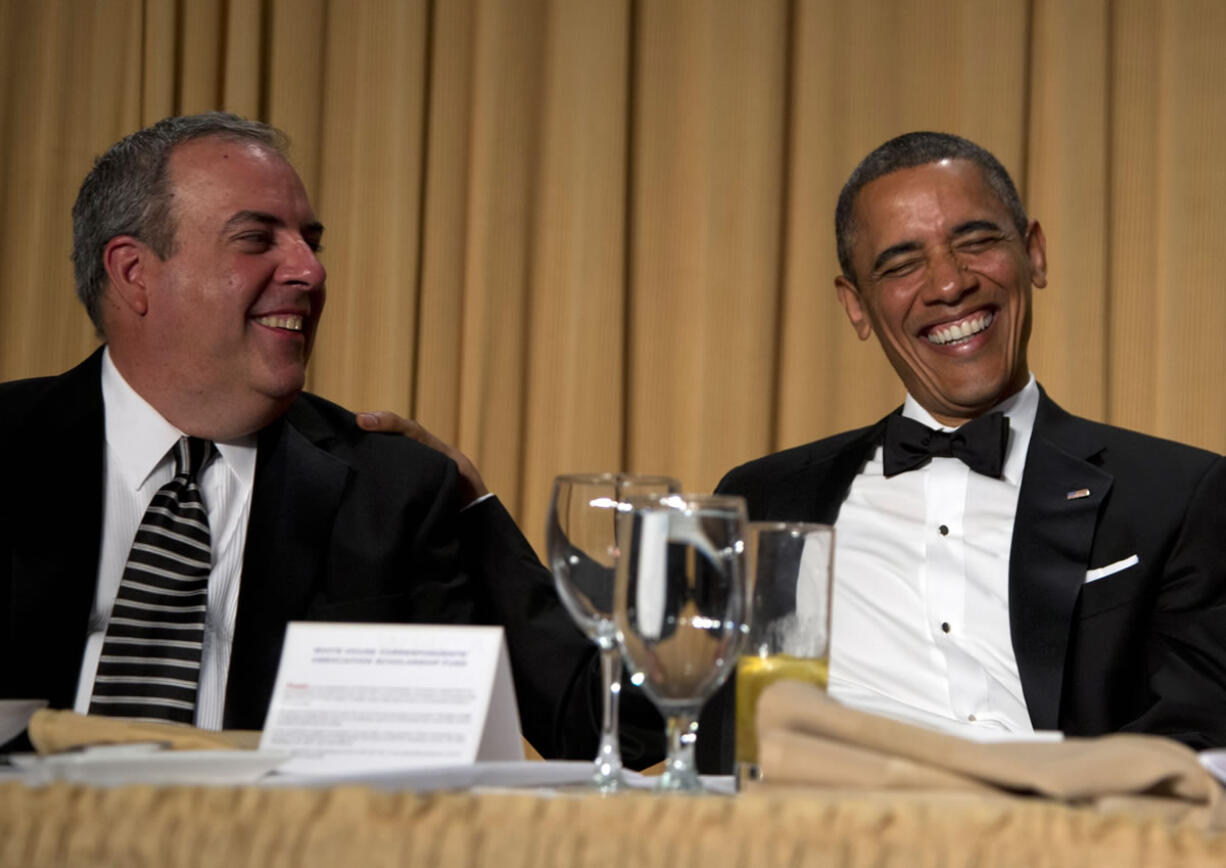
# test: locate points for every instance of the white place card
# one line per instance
(350, 697)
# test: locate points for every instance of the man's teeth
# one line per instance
(292, 323)
(960, 330)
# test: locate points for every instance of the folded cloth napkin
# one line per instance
(56, 731)
(807, 738)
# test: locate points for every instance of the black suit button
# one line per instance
(944, 530)
(945, 627)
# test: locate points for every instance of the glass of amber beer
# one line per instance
(788, 566)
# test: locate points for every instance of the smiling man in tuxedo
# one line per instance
(1001, 566)
(184, 460)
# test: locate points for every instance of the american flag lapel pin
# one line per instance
(1078, 494)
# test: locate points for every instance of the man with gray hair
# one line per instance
(1001, 566)
(175, 500)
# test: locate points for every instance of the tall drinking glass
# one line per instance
(680, 608)
(789, 637)
(581, 538)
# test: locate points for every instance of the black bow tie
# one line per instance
(980, 444)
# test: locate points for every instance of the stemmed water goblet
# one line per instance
(681, 609)
(581, 539)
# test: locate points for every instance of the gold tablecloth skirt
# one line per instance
(146, 827)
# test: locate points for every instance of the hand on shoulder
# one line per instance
(471, 484)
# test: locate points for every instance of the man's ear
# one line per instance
(125, 259)
(849, 297)
(1036, 251)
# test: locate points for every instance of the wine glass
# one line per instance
(582, 550)
(680, 608)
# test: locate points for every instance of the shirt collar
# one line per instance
(1020, 409)
(138, 438)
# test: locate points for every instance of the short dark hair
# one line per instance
(906, 152)
(126, 193)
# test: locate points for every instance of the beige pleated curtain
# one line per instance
(596, 234)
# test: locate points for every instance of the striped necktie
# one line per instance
(150, 665)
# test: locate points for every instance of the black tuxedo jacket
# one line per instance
(1141, 650)
(345, 525)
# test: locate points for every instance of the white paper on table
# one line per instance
(356, 697)
(1000, 736)
(720, 785)
(521, 773)
(502, 775)
(122, 764)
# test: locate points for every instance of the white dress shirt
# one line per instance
(920, 617)
(137, 463)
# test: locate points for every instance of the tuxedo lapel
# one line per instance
(809, 485)
(56, 531)
(836, 478)
(297, 489)
(1052, 535)
(825, 483)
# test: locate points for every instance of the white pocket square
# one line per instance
(1111, 569)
